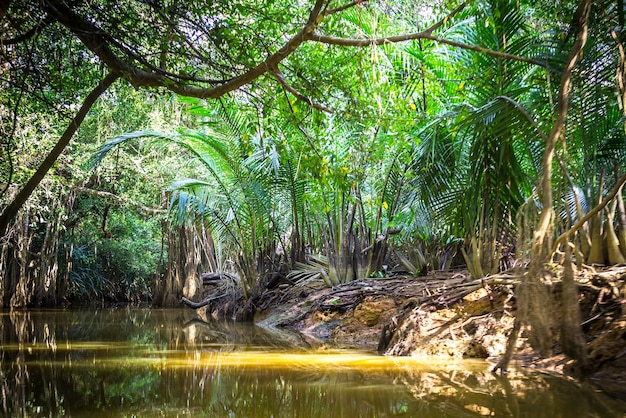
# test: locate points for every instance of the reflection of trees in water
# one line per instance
(463, 393)
(164, 363)
(24, 340)
(241, 391)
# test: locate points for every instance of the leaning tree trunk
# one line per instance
(26, 279)
(532, 293)
(12, 209)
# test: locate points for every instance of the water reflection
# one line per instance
(167, 363)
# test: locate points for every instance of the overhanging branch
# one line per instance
(99, 43)
(331, 40)
(425, 34)
(146, 75)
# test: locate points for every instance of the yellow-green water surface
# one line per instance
(164, 363)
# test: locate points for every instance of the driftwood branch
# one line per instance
(203, 302)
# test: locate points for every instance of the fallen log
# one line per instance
(214, 279)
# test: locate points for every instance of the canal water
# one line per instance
(166, 363)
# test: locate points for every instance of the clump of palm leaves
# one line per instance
(315, 268)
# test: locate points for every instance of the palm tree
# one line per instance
(480, 158)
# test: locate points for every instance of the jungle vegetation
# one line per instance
(148, 144)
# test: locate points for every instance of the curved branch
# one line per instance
(331, 40)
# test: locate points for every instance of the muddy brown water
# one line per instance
(165, 363)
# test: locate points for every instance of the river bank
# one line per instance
(446, 315)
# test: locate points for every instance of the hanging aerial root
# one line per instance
(573, 342)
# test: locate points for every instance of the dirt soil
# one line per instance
(450, 315)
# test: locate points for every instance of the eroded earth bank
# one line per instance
(444, 315)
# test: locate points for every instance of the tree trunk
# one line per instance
(171, 290)
(613, 251)
(192, 288)
(621, 222)
(596, 253)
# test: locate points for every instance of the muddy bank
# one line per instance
(444, 315)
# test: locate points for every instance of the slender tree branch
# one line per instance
(278, 75)
(580, 22)
(121, 200)
(331, 40)
(344, 7)
(450, 15)
(425, 34)
(26, 35)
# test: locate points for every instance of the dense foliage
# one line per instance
(308, 140)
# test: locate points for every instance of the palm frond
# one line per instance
(102, 152)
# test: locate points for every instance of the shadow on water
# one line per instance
(140, 362)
